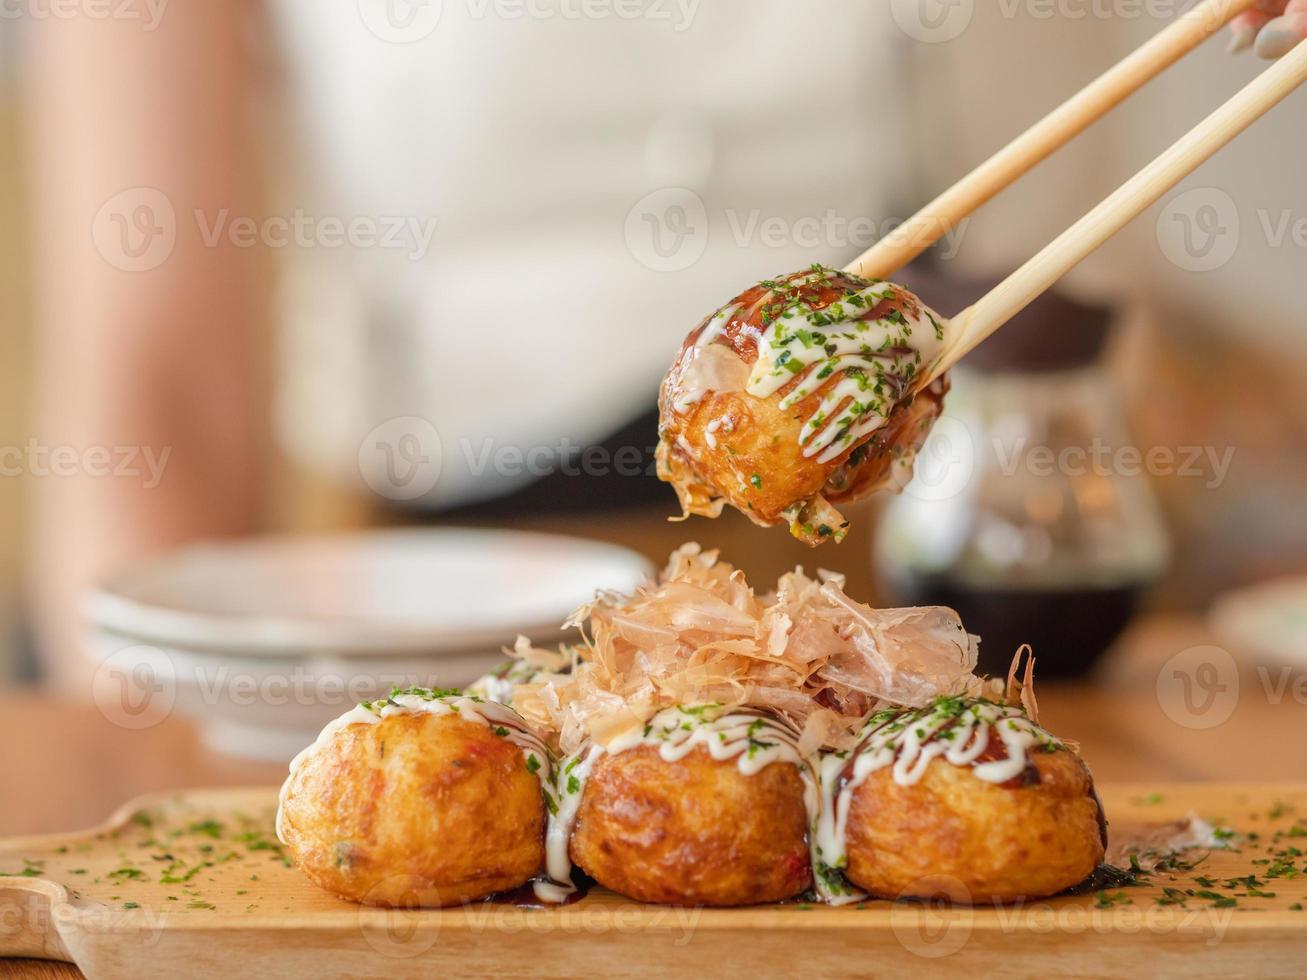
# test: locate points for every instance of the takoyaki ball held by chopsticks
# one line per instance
(811, 390)
(801, 393)
(703, 806)
(425, 798)
(967, 797)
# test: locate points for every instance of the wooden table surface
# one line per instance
(65, 766)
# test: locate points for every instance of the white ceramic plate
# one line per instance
(265, 640)
(1266, 622)
(411, 591)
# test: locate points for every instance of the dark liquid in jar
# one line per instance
(1068, 629)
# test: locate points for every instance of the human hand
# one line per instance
(1272, 28)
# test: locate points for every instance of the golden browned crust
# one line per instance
(951, 833)
(752, 458)
(416, 809)
(757, 467)
(693, 832)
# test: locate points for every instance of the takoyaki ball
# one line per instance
(800, 393)
(955, 834)
(696, 831)
(415, 809)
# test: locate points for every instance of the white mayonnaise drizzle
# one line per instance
(879, 362)
(505, 722)
(755, 740)
(572, 774)
(909, 740)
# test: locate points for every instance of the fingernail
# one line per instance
(1241, 37)
(1276, 39)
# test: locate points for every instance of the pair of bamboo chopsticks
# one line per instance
(1013, 294)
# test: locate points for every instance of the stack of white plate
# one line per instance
(264, 640)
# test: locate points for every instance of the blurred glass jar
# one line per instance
(1030, 512)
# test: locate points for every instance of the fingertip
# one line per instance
(1280, 36)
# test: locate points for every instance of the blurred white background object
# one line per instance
(1267, 622)
(599, 185)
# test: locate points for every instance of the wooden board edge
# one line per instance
(34, 912)
(31, 915)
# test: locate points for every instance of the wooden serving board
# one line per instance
(194, 882)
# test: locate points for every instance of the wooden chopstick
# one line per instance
(1014, 293)
(1041, 140)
